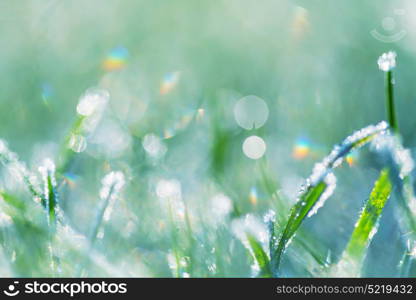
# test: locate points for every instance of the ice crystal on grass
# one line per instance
(322, 171)
(50, 193)
(19, 170)
(387, 61)
(392, 149)
(320, 186)
(92, 101)
(331, 182)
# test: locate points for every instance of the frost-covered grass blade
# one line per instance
(366, 226)
(260, 256)
(320, 186)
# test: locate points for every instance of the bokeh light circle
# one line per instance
(254, 147)
(251, 112)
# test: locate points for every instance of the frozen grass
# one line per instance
(182, 260)
(321, 184)
(146, 175)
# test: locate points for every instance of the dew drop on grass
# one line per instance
(251, 112)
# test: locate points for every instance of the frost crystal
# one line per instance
(18, 169)
(331, 182)
(334, 159)
(221, 206)
(48, 173)
(390, 146)
(387, 61)
(93, 100)
(249, 224)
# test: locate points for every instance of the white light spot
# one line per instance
(254, 147)
(153, 145)
(251, 112)
(5, 220)
(387, 61)
(168, 188)
(221, 206)
(91, 101)
(110, 139)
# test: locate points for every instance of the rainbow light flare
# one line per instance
(70, 179)
(47, 92)
(170, 80)
(253, 196)
(301, 149)
(352, 158)
(116, 59)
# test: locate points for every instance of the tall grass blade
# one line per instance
(386, 63)
(366, 227)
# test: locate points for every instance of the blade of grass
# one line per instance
(366, 226)
(260, 256)
(391, 112)
(319, 186)
(299, 212)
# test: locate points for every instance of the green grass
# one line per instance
(367, 224)
(192, 204)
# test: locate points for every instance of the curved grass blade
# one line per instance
(260, 256)
(320, 186)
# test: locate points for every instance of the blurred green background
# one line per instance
(176, 69)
